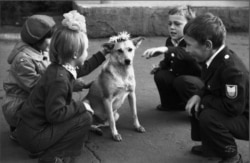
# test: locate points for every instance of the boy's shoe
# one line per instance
(198, 150)
(236, 159)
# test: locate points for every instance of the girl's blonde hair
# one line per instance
(185, 11)
(70, 39)
(66, 44)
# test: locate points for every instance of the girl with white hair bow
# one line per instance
(52, 123)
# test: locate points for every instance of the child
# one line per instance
(220, 111)
(51, 122)
(28, 61)
(177, 75)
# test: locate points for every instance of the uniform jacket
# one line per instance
(226, 85)
(51, 100)
(178, 61)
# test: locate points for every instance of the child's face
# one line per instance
(176, 25)
(45, 45)
(199, 52)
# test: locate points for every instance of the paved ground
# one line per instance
(167, 139)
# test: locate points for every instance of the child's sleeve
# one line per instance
(25, 74)
(180, 62)
(59, 107)
(90, 64)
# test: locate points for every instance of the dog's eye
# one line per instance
(130, 49)
(120, 50)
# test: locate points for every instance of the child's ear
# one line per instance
(108, 46)
(137, 41)
(209, 44)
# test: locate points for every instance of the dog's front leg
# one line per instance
(132, 103)
(109, 110)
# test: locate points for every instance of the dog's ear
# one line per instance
(137, 41)
(108, 46)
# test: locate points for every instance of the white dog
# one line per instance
(115, 82)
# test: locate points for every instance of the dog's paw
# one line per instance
(117, 137)
(140, 129)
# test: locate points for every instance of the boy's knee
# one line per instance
(163, 77)
(180, 82)
(158, 76)
(187, 83)
(206, 118)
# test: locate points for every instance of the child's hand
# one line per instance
(88, 107)
(193, 106)
(153, 52)
(105, 50)
(155, 69)
(80, 84)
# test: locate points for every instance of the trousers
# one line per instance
(217, 131)
(174, 90)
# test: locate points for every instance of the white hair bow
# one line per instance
(74, 21)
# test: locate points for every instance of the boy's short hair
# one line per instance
(185, 11)
(66, 43)
(206, 27)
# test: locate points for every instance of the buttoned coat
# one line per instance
(26, 68)
(178, 61)
(50, 106)
(226, 85)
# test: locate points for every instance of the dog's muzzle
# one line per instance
(127, 61)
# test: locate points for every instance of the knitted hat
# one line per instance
(36, 27)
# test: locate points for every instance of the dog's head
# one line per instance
(122, 48)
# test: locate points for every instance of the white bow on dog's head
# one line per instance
(122, 37)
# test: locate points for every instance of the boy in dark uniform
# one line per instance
(177, 75)
(219, 112)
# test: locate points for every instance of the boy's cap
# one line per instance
(36, 27)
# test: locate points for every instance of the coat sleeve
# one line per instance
(182, 62)
(231, 102)
(90, 64)
(57, 107)
(26, 74)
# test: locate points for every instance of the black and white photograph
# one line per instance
(124, 81)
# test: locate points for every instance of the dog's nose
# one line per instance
(127, 61)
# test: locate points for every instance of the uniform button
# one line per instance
(172, 54)
(208, 86)
(170, 69)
